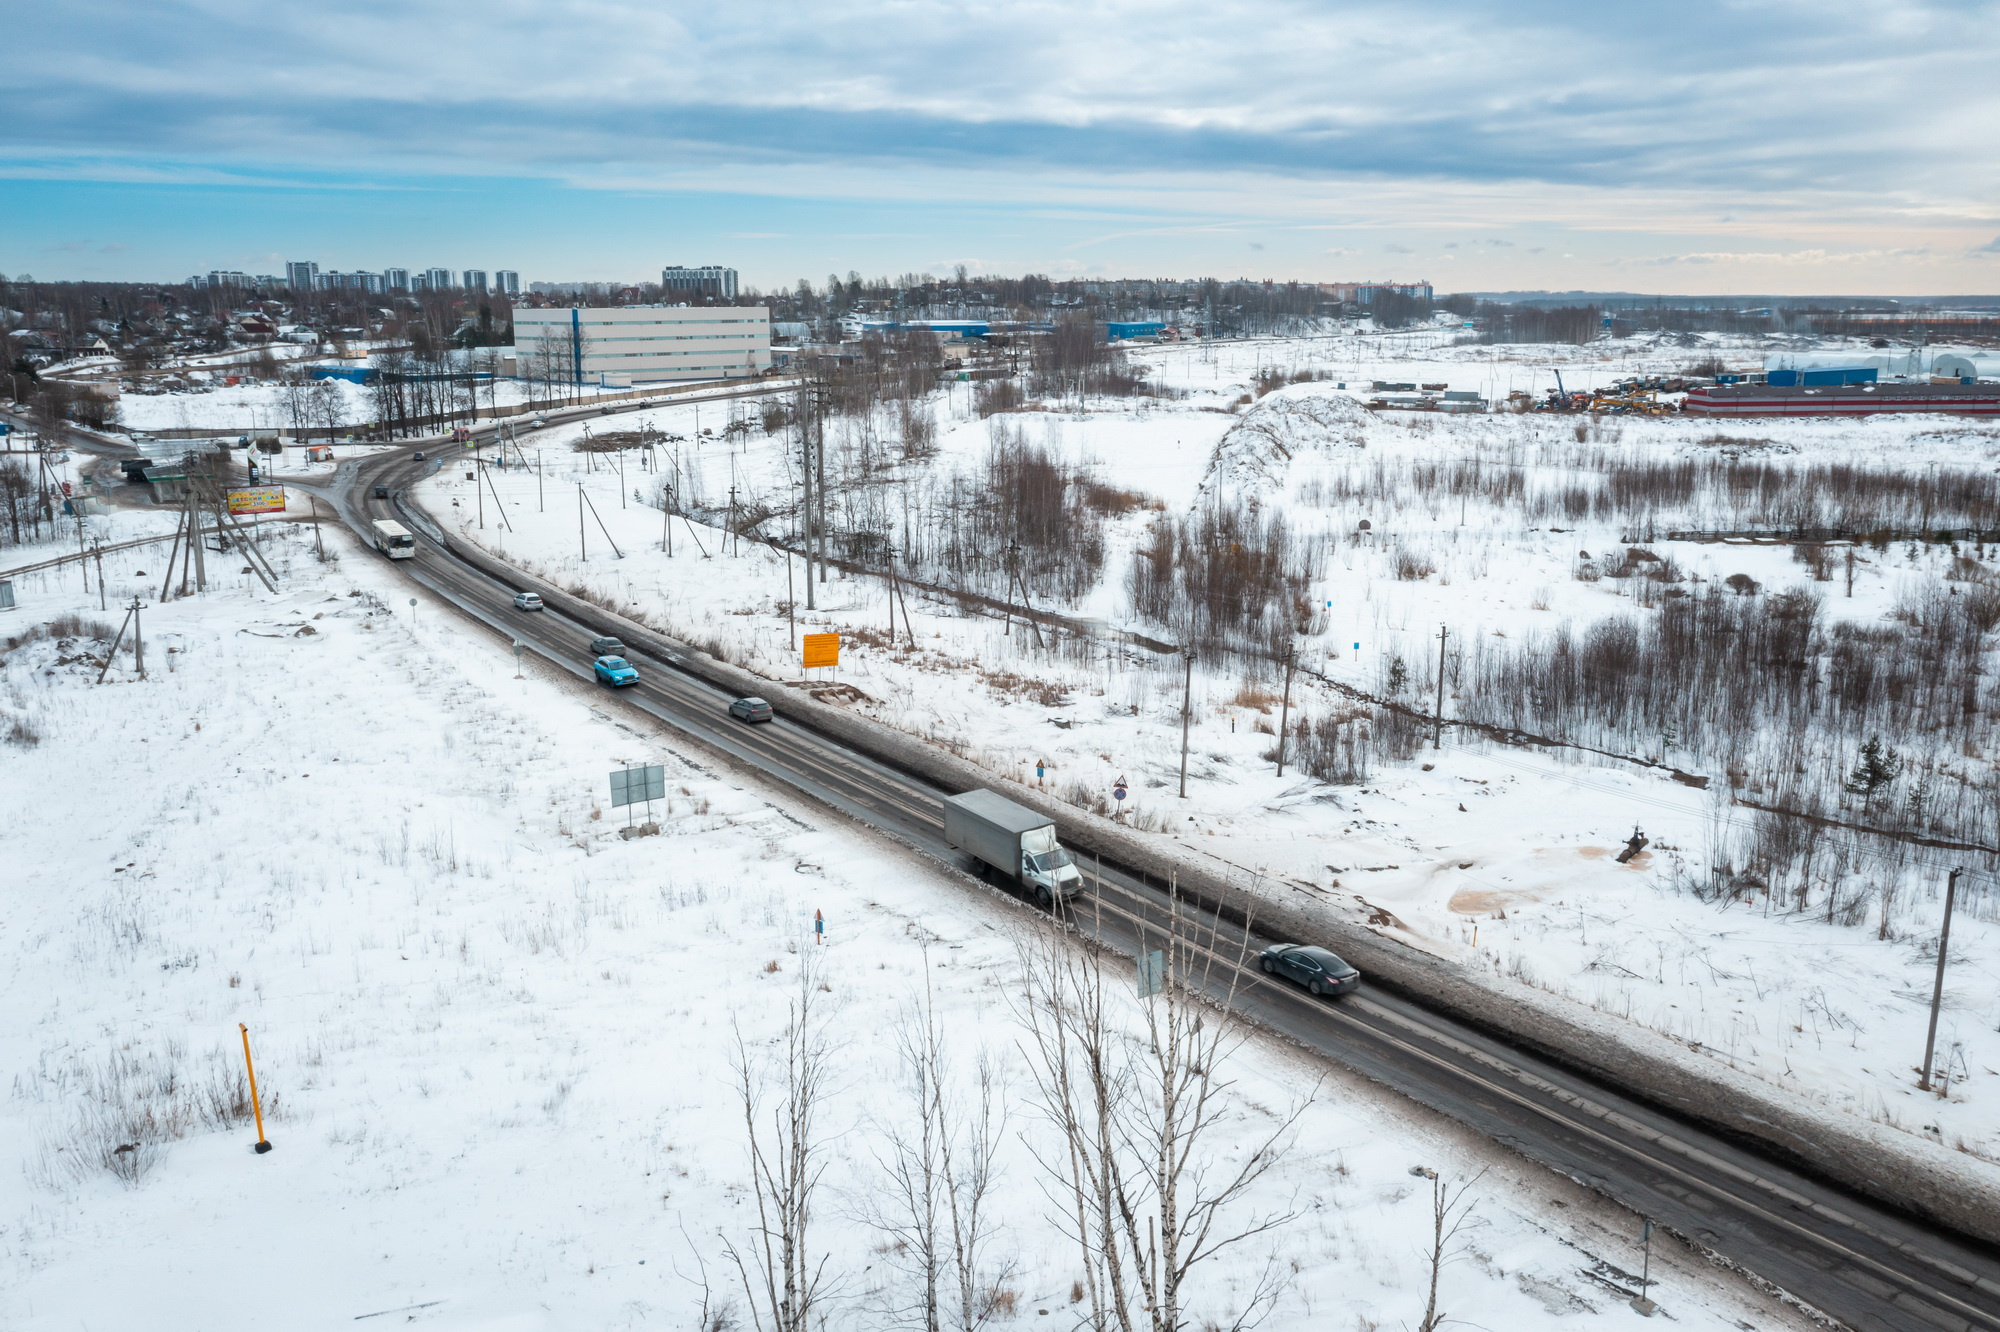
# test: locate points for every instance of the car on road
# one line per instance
(418, 456)
(750, 710)
(538, 423)
(1311, 966)
(605, 410)
(616, 671)
(381, 492)
(606, 647)
(528, 601)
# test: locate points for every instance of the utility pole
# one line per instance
(621, 478)
(1437, 732)
(477, 493)
(98, 551)
(138, 641)
(1285, 713)
(539, 506)
(806, 471)
(736, 542)
(791, 608)
(319, 541)
(1187, 713)
(583, 551)
(1937, 989)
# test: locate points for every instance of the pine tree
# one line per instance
(1399, 676)
(1875, 769)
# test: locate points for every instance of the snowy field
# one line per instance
(495, 1039)
(1498, 857)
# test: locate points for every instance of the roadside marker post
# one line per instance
(819, 927)
(256, 1103)
(1644, 1304)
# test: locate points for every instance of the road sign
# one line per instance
(1152, 973)
(1118, 791)
(821, 650)
(633, 786)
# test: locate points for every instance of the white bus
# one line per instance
(394, 540)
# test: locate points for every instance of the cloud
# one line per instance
(113, 247)
(1493, 93)
(1393, 248)
(1256, 245)
(1991, 247)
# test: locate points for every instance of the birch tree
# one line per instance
(784, 1279)
(1138, 1097)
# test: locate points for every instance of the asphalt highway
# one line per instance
(1843, 1256)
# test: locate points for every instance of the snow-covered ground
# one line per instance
(1500, 858)
(223, 407)
(495, 1038)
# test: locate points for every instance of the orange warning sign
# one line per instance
(821, 650)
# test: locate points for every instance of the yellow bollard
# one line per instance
(256, 1106)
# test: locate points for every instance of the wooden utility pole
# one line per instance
(1187, 714)
(1937, 988)
(1285, 712)
(1437, 732)
(582, 549)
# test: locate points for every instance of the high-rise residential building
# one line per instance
(438, 279)
(712, 280)
(507, 282)
(355, 281)
(473, 279)
(395, 279)
(637, 344)
(220, 277)
(301, 276)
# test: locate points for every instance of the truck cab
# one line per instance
(1047, 866)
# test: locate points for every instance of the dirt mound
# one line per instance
(1303, 420)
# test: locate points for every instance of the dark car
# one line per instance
(1311, 966)
(605, 410)
(606, 647)
(381, 492)
(750, 710)
(417, 457)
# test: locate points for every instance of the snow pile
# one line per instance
(1310, 419)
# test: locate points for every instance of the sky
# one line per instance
(1774, 148)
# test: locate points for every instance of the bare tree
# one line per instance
(1137, 1097)
(782, 1280)
(1450, 1212)
(940, 1166)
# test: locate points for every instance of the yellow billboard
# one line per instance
(822, 650)
(257, 499)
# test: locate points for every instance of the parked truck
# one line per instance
(393, 539)
(1013, 839)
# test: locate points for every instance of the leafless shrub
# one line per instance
(124, 1112)
(1225, 577)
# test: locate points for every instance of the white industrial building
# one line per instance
(639, 344)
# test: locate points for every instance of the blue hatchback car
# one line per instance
(616, 671)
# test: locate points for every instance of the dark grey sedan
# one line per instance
(1311, 966)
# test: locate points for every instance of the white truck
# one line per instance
(393, 539)
(1013, 839)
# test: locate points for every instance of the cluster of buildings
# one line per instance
(307, 276)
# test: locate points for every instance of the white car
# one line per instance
(528, 601)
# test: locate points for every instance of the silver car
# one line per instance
(528, 601)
